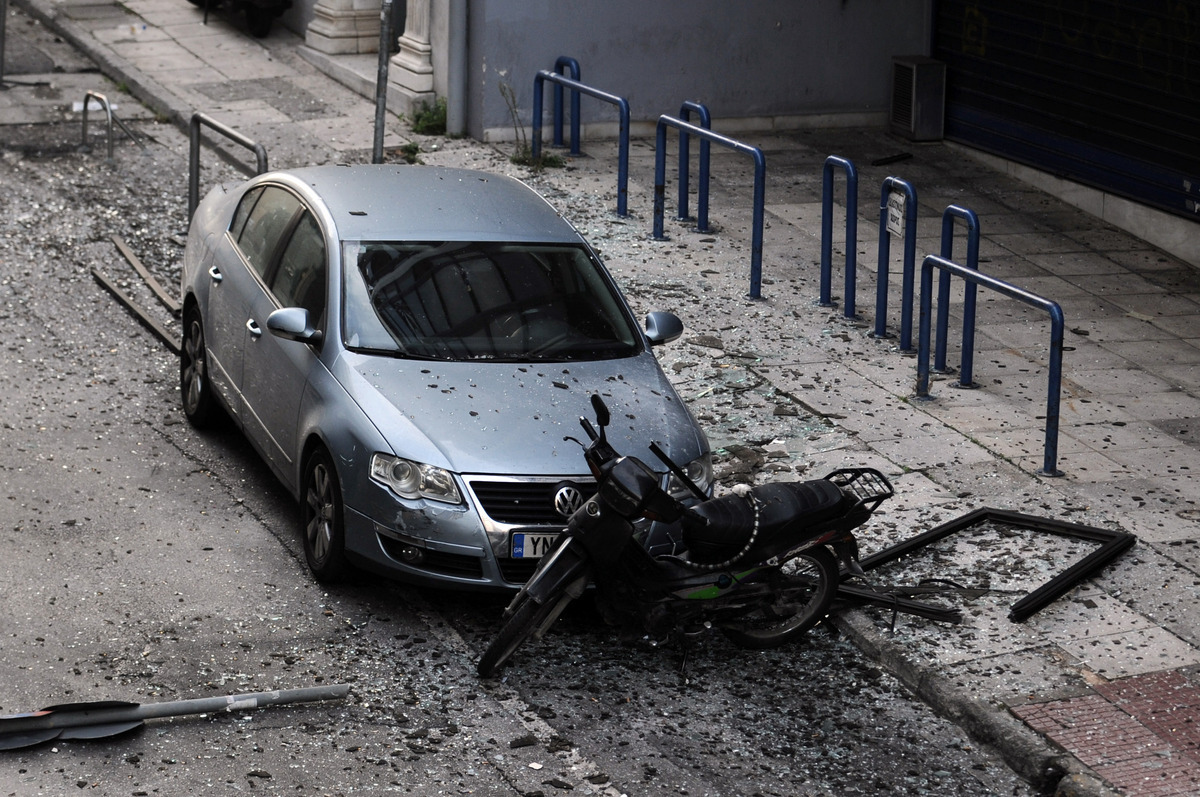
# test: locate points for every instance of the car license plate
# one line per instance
(532, 546)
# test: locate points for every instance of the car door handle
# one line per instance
(216, 274)
(253, 327)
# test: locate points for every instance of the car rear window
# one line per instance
(469, 300)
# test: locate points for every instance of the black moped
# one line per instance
(761, 565)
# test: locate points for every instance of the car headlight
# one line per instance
(700, 471)
(413, 480)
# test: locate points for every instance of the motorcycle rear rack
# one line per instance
(868, 485)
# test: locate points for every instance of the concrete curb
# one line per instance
(1025, 751)
(146, 90)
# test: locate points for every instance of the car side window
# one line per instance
(265, 226)
(243, 212)
(300, 279)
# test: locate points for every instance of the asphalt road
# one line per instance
(143, 561)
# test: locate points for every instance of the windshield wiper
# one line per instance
(396, 354)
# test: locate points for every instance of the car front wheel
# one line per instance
(195, 392)
(322, 516)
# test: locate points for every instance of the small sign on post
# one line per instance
(895, 213)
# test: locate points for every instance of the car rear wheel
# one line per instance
(194, 390)
(322, 517)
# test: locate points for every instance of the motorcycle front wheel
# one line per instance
(807, 585)
(526, 618)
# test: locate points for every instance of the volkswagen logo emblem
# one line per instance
(567, 499)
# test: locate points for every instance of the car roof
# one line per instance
(432, 203)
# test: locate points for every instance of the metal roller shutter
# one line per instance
(1103, 92)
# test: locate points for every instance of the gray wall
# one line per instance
(767, 63)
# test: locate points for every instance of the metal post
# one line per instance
(1057, 327)
(562, 65)
(826, 300)
(3, 25)
(943, 315)
(260, 153)
(575, 86)
(684, 166)
(87, 97)
(910, 252)
(760, 190)
(381, 79)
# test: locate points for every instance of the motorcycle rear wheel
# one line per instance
(810, 583)
(526, 618)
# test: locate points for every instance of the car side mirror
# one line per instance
(291, 323)
(662, 327)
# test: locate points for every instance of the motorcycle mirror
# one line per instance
(601, 410)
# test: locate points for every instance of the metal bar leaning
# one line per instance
(198, 119)
(760, 179)
(623, 134)
(1057, 327)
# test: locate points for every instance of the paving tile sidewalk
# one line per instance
(1108, 673)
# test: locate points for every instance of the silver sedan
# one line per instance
(410, 348)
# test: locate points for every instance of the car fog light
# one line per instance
(411, 554)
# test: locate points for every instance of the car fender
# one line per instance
(329, 417)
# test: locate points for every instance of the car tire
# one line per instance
(258, 21)
(322, 516)
(195, 392)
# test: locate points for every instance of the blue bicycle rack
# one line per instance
(826, 299)
(684, 164)
(578, 88)
(569, 64)
(943, 320)
(1057, 327)
(890, 185)
(760, 181)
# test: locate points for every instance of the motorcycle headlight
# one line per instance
(413, 480)
(700, 471)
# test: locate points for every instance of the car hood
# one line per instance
(512, 418)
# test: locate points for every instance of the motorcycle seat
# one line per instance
(720, 527)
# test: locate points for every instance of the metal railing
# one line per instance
(103, 100)
(1057, 327)
(685, 166)
(623, 135)
(826, 298)
(198, 119)
(893, 187)
(760, 181)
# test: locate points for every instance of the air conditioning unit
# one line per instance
(918, 97)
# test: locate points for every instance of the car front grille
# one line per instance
(525, 503)
(517, 571)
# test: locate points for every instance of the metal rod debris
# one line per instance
(114, 717)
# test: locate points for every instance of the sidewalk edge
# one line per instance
(1025, 751)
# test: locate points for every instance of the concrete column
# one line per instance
(341, 27)
(410, 71)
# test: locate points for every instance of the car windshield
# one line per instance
(461, 300)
